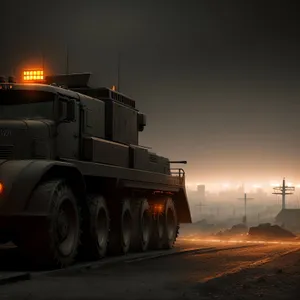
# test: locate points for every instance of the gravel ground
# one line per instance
(267, 271)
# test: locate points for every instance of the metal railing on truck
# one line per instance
(179, 174)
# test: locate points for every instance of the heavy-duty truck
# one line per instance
(74, 181)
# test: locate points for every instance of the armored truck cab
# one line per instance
(74, 179)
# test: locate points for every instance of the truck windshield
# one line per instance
(26, 104)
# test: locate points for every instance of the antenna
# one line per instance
(67, 60)
(43, 61)
(118, 74)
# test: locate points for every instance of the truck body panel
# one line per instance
(24, 175)
(65, 138)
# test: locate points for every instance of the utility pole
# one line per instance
(283, 191)
(200, 205)
(245, 199)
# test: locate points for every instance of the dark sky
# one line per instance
(219, 80)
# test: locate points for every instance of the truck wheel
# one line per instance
(121, 228)
(95, 235)
(54, 242)
(142, 225)
(170, 226)
(5, 238)
(157, 232)
(166, 227)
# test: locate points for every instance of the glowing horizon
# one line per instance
(248, 186)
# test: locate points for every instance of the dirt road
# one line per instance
(271, 271)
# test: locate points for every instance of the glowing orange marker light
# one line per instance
(158, 208)
(114, 88)
(1, 188)
(33, 75)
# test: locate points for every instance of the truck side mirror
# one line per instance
(66, 110)
(141, 121)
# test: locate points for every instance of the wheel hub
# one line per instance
(63, 226)
(67, 227)
(160, 226)
(170, 224)
(102, 228)
(126, 230)
(145, 227)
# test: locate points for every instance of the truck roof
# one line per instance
(74, 88)
(46, 88)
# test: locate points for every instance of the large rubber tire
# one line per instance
(96, 232)
(156, 239)
(121, 228)
(165, 227)
(171, 226)
(142, 225)
(54, 241)
(4, 239)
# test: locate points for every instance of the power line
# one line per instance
(283, 191)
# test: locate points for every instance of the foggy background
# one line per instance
(218, 80)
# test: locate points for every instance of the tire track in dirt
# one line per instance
(250, 265)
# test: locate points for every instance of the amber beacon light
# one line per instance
(33, 75)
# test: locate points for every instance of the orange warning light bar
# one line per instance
(33, 75)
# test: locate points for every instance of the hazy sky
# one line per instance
(219, 80)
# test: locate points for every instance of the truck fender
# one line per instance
(20, 178)
(182, 207)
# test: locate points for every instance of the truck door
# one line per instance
(67, 141)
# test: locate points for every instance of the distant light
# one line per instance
(256, 186)
(226, 185)
(114, 88)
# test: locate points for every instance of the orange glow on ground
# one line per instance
(236, 241)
